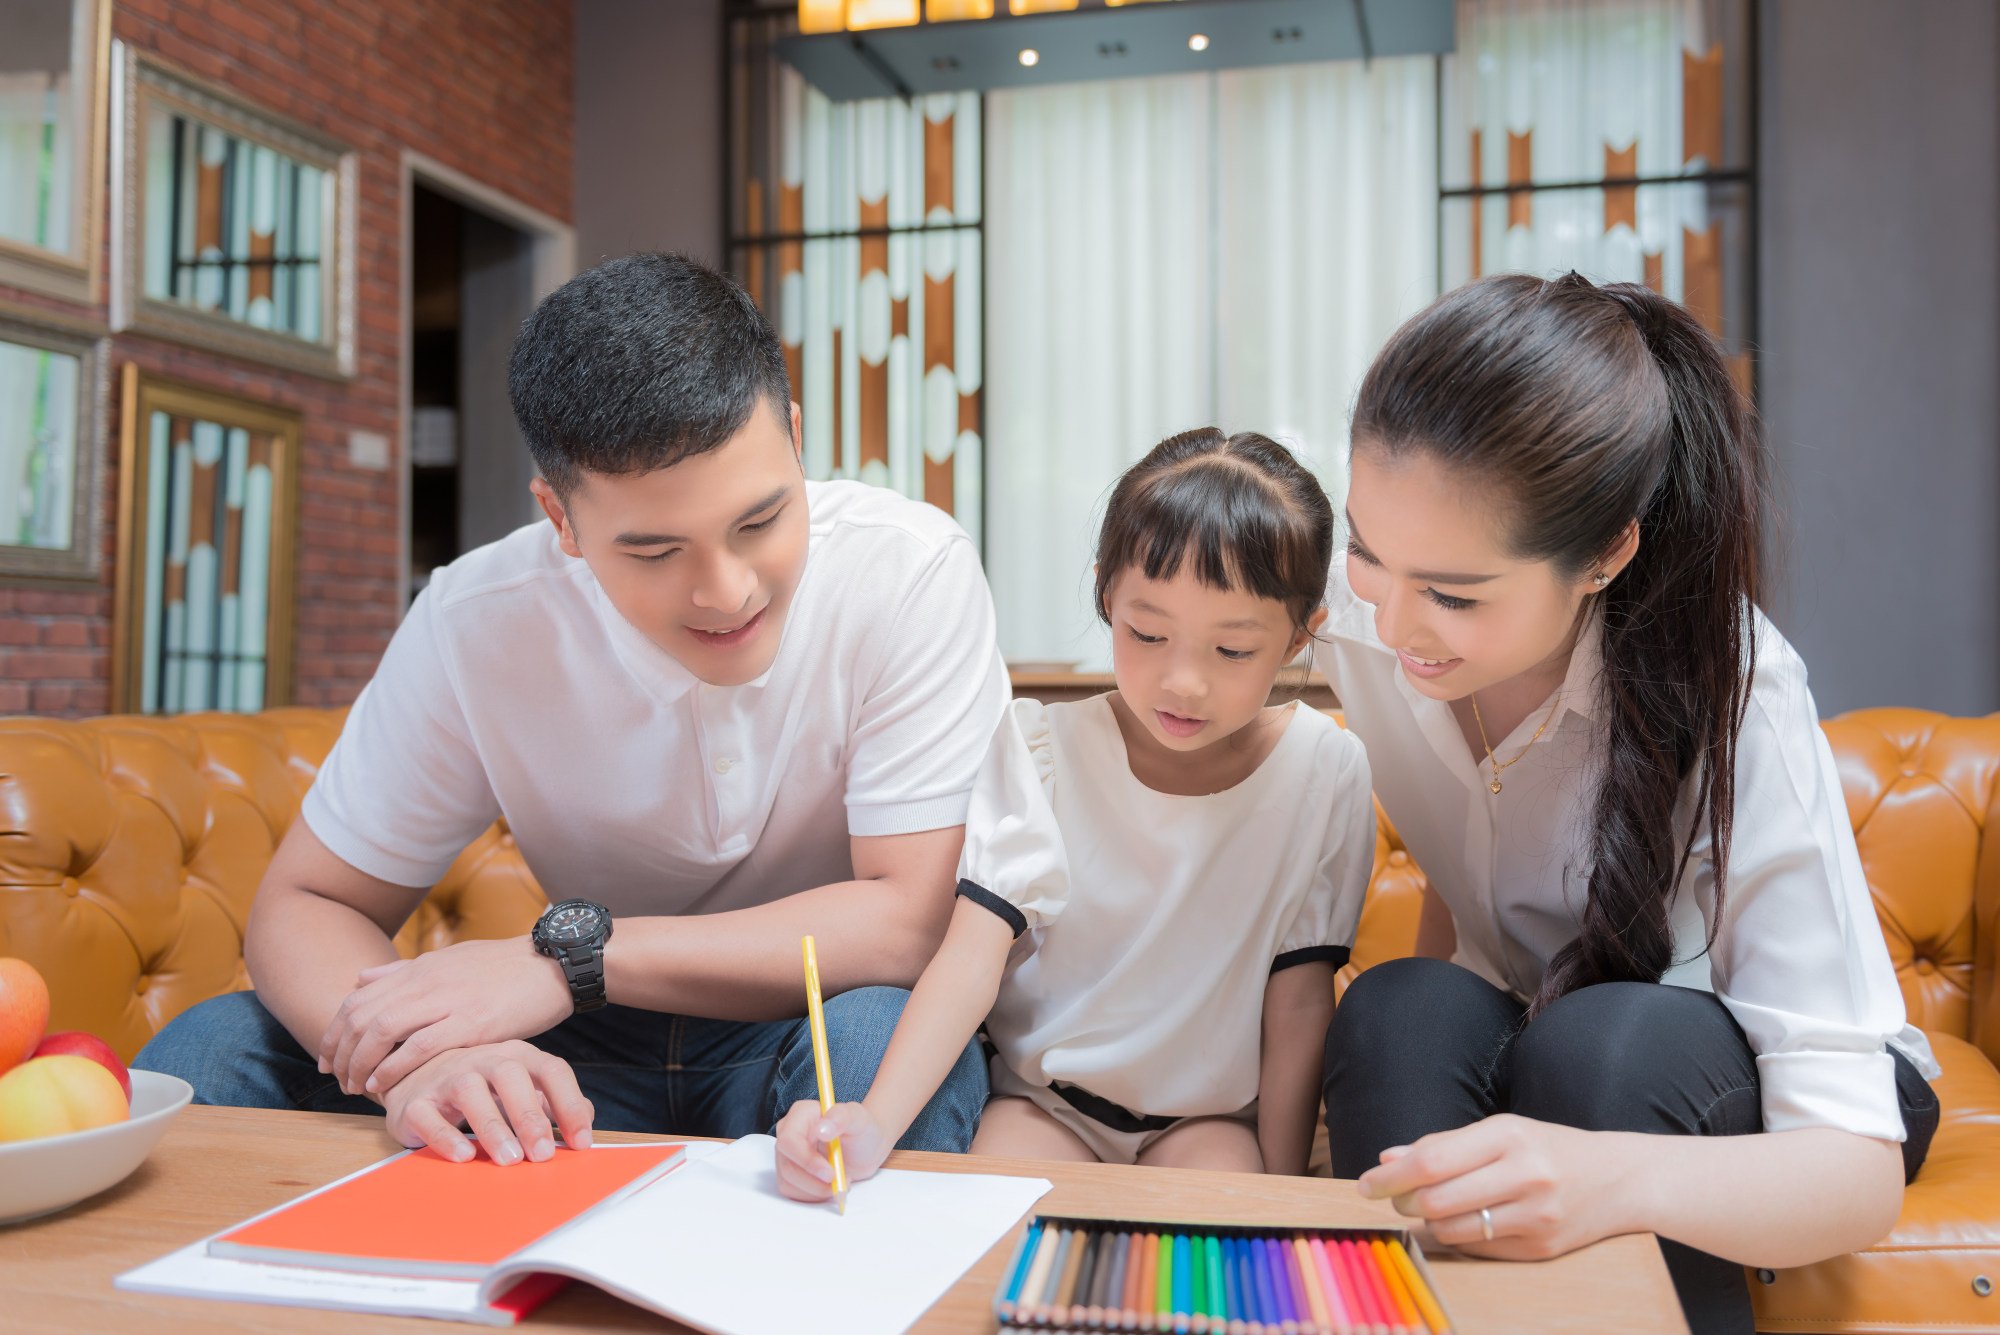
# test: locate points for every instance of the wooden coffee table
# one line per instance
(217, 1166)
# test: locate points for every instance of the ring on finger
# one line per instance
(1486, 1223)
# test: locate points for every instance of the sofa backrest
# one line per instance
(130, 849)
(1923, 791)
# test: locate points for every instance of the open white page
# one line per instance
(716, 1246)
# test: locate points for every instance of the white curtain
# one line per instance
(1327, 240)
(1100, 330)
(1168, 253)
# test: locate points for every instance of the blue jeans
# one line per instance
(643, 1071)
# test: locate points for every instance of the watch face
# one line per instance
(569, 924)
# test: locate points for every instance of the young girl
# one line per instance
(1608, 764)
(1157, 884)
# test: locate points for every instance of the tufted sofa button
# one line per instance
(1399, 858)
(145, 981)
(507, 840)
(1925, 967)
(71, 887)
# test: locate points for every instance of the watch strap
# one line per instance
(583, 966)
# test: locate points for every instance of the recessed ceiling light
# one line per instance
(1030, 56)
(1198, 42)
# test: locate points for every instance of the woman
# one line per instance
(1608, 765)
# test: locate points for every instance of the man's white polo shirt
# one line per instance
(515, 689)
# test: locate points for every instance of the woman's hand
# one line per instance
(805, 1163)
(1547, 1189)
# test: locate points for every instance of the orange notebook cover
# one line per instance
(423, 1215)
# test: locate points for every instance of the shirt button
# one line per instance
(722, 764)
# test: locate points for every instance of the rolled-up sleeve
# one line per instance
(1799, 959)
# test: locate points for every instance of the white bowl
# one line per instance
(39, 1177)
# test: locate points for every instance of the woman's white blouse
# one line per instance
(1798, 960)
(1149, 924)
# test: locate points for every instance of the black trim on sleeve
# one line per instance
(1334, 955)
(995, 905)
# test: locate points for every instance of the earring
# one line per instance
(1600, 579)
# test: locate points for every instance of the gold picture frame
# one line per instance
(71, 271)
(235, 227)
(52, 401)
(204, 624)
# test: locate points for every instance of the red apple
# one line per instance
(77, 1043)
(24, 1011)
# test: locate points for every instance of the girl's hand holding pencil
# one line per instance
(816, 1165)
(805, 1140)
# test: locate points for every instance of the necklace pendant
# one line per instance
(1495, 786)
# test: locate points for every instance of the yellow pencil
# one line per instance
(823, 1065)
(1420, 1292)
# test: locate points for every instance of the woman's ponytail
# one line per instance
(1678, 650)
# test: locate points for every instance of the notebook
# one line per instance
(710, 1243)
(420, 1214)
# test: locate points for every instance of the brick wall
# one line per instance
(481, 86)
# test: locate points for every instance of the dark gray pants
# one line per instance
(1421, 1045)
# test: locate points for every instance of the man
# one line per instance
(720, 705)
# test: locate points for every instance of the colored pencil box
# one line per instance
(1185, 1278)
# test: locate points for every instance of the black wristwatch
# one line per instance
(573, 934)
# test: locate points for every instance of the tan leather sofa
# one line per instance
(130, 849)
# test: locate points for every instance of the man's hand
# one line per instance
(506, 1093)
(403, 1014)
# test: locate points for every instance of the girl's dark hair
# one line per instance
(1582, 408)
(1246, 512)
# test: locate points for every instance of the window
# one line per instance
(234, 225)
(1228, 249)
(1613, 137)
(52, 61)
(239, 228)
(50, 397)
(208, 491)
(858, 228)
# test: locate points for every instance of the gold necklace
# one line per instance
(1494, 760)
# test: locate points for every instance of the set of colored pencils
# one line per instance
(1104, 1275)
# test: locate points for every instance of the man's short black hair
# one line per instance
(639, 363)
